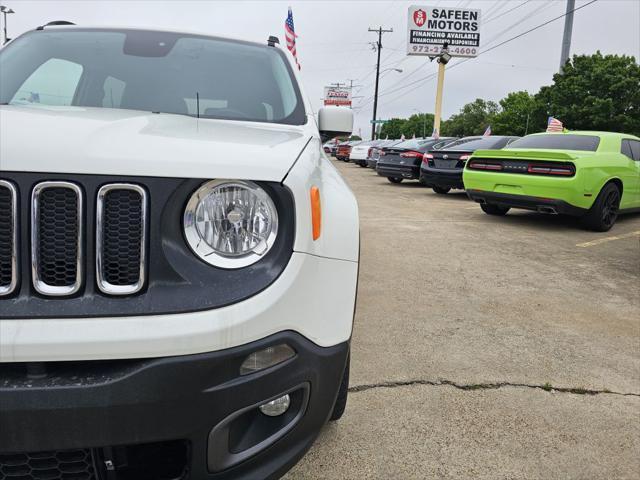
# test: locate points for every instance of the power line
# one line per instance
(539, 26)
(504, 13)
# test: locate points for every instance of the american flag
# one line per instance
(554, 125)
(435, 134)
(487, 132)
(290, 35)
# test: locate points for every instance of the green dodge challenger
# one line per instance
(592, 175)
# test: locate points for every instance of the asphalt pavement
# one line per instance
(486, 347)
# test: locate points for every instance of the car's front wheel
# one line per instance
(492, 209)
(604, 212)
(441, 190)
(362, 164)
(394, 179)
(343, 393)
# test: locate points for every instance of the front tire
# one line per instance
(343, 393)
(394, 179)
(362, 164)
(491, 209)
(604, 212)
(441, 190)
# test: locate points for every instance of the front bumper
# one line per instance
(293, 302)
(371, 163)
(409, 172)
(439, 178)
(109, 406)
(542, 205)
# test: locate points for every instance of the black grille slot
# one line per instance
(7, 237)
(121, 228)
(55, 465)
(58, 230)
(122, 236)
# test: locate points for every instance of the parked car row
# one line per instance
(591, 175)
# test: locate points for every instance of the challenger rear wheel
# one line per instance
(441, 190)
(394, 179)
(492, 209)
(604, 212)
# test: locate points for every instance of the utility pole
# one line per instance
(5, 11)
(566, 37)
(351, 85)
(380, 31)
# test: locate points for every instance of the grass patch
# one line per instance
(579, 391)
(547, 387)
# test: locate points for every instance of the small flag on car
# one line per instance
(435, 134)
(290, 35)
(487, 132)
(402, 137)
(554, 125)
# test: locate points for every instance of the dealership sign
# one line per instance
(431, 27)
(337, 96)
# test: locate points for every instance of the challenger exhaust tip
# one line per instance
(547, 209)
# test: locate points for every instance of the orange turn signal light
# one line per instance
(316, 212)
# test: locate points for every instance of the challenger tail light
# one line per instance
(370, 152)
(482, 165)
(426, 157)
(411, 155)
(540, 169)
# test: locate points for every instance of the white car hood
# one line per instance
(129, 142)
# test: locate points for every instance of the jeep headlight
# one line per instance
(230, 223)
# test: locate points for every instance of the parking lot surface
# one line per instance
(486, 347)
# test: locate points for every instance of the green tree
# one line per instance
(595, 92)
(393, 128)
(473, 119)
(519, 114)
(418, 125)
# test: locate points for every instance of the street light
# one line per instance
(5, 11)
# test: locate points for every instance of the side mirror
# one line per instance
(334, 122)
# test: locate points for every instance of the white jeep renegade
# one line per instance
(178, 258)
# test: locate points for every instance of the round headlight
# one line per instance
(230, 224)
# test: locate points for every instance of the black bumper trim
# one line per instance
(435, 178)
(176, 398)
(409, 172)
(526, 202)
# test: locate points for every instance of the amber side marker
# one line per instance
(316, 212)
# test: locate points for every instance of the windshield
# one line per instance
(472, 144)
(556, 141)
(412, 144)
(151, 71)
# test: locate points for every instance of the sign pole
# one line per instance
(443, 33)
(438, 113)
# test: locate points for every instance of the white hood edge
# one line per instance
(103, 141)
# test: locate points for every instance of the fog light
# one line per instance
(276, 407)
(266, 358)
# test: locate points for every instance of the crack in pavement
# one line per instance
(486, 386)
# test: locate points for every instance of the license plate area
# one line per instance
(445, 163)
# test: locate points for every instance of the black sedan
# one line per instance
(372, 161)
(402, 161)
(442, 169)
